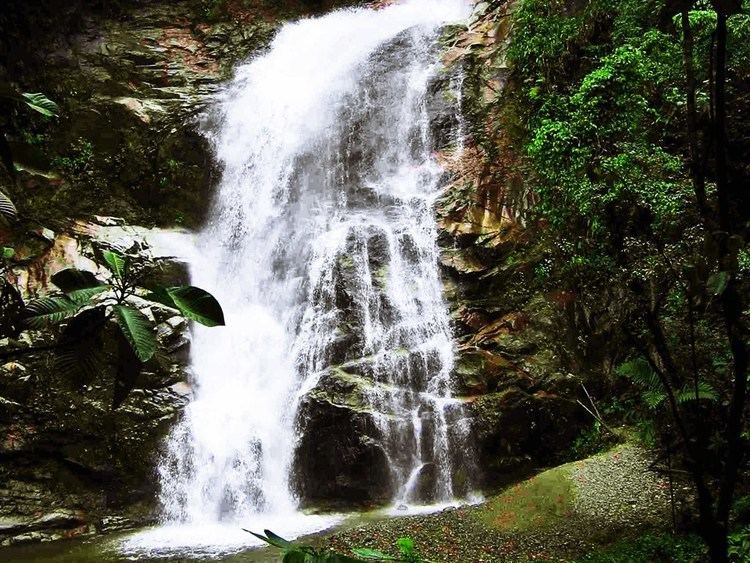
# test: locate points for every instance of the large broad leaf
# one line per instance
(49, 311)
(137, 330)
(129, 367)
(83, 296)
(278, 541)
(79, 356)
(41, 103)
(193, 302)
(72, 279)
(116, 263)
(8, 209)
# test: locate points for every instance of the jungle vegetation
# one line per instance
(633, 116)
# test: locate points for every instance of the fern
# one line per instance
(8, 209)
(639, 372)
(705, 393)
(653, 394)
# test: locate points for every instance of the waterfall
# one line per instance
(321, 233)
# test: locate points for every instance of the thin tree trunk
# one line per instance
(720, 123)
(696, 166)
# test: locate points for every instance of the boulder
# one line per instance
(339, 458)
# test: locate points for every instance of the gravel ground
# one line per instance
(617, 490)
(613, 494)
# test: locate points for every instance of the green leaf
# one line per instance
(138, 331)
(7, 252)
(278, 541)
(83, 296)
(653, 398)
(717, 283)
(705, 393)
(639, 372)
(49, 311)
(41, 103)
(294, 556)
(72, 279)
(7, 208)
(194, 303)
(406, 545)
(160, 295)
(116, 263)
(259, 536)
(373, 554)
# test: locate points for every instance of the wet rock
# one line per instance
(338, 461)
(339, 458)
(63, 447)
(441, 106)
(516, 429)
(424, 488)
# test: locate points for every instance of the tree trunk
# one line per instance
(716, 539)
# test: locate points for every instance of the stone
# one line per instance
(105, 221)
(59, 519)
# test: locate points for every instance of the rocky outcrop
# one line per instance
(69, 462)
(523, 401)
(127, 141)
(340, 440)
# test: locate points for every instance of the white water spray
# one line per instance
(326, 154)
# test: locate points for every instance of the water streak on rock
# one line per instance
(322, 249)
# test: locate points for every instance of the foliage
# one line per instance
(653, 393)
(40, 103)
(739, 545)
(295, 553)
(77, 164)
(634, 117)
(86, 304)
(8, 211)
(591, 441)
(653, 548)
(37, 102)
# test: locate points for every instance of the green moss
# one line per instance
(345, 262)
(536, 503)
(650, 547)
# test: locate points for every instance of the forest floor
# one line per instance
(557, 515)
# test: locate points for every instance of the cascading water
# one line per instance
(322, 250)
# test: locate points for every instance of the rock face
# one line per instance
(340, 440)
(523, 404)
(131, 91)
(69, 462)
